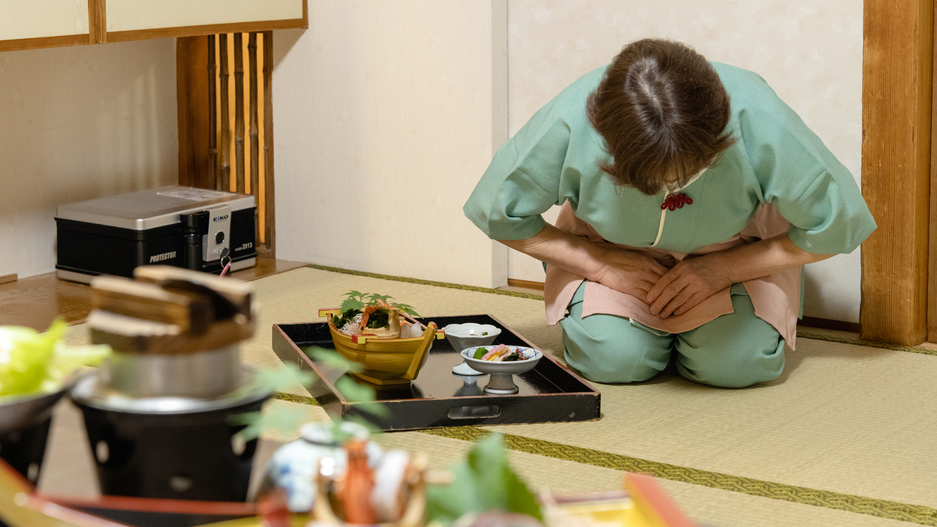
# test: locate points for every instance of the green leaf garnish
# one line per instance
(333, 359)
(286, 419)
(280, 418)
(267, 380)
(353, 300)
(483, 481)
(356, 301)
(345, 317)
(355, 392)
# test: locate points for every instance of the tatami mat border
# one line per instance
(860, 342)
(764, 489)
(301, 399)
(800, 333)
(429, 282)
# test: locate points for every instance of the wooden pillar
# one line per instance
(212, 111)
(254, 136)
(896, 141)
(239, 113)
(97, 18)
(270, 237)
(224, 171)
(932, 223)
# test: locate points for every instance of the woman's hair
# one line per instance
(662, 111)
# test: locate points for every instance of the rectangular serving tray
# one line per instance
(548, 393)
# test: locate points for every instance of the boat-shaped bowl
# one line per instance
(385, 361)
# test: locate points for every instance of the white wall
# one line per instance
(134, 15)
(385, 114)
(79, 123)
(46, 18)
(809, 52)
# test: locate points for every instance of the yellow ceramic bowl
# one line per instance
(386, 361)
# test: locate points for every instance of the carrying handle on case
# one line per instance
(225, 265)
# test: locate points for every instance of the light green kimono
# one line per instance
(775, 161)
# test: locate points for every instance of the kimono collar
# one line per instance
(675, 188)
(674, 200)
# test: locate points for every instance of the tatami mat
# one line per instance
(845, 437)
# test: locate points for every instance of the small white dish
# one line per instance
(465, 369)
(461, 336)
(468, 335)
(502, 373)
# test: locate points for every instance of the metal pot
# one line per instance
(158, 412)
(170, 447)
(24, 430)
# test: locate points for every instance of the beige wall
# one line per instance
(79, 123)
(42, 18)
(380, 137)
(388, 112)
(129, 15)
(385, 114)
(809, 52)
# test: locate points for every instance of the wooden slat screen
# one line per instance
(224, 100)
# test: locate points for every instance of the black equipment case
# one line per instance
(181, 226)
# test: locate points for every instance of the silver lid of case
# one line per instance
(148, 209)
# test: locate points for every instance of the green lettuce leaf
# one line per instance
(32, 362)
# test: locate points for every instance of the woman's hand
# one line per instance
(630, 272)
(667, 291)
(694, 280)
(689, 283)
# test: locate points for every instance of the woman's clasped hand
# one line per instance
(690, 282)
(668, 287)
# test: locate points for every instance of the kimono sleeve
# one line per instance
(795, 171)
(520, 184)
(831, 217)
(818, 196)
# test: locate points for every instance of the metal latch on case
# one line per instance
(218, 238)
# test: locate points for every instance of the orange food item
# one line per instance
(356, 490)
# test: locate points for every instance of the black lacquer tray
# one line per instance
(437, 397)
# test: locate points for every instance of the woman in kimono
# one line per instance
(691, 198)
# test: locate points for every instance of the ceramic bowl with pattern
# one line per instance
(502, 372)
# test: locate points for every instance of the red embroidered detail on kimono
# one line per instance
(676, 201)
